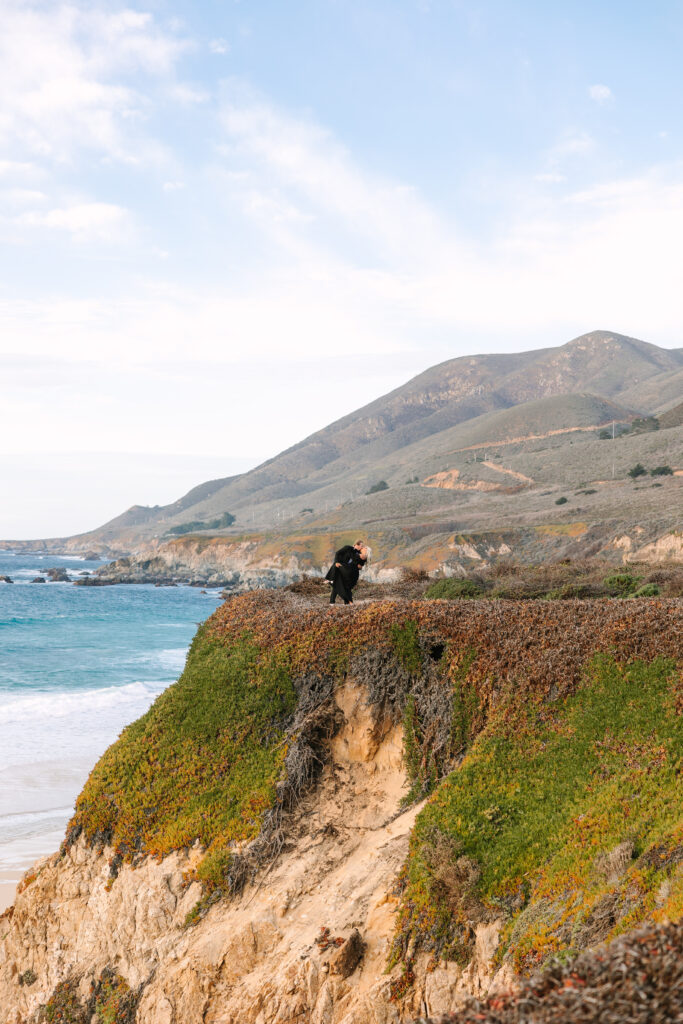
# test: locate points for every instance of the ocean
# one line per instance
(77, 664)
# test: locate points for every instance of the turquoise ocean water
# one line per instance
(77, 664)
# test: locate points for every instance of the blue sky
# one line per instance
(225, 224)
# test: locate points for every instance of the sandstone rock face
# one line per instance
(252, 960)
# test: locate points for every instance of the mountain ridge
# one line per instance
(405, 435)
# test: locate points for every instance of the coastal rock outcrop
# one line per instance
(206, 562)
(57, 575)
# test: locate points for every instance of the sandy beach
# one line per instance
(8, 888)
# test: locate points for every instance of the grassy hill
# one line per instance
(672, 417)
(655, 394)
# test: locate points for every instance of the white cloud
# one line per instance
(85, 222)
(569, 151)
(600, 94)
(69, 79)
(15, 167)
(551, 178)
(572, 144)
(21, 196)
(313, 180)
(188, 95)
(173, 186)
(219, 46)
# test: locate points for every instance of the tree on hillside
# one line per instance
(643, 424)
(637, 470)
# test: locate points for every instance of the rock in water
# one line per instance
(57, 575)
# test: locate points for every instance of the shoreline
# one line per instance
(8, 889)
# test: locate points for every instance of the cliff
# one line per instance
(365, 815)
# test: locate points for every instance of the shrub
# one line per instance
(413, 480)
(621, 584)
(450, 590)
(405, 639)
(381, 485)
(637, 470)
(569, 591)
(662, 471)
(111, 1001)
(643, 424)
(227, 519)
(648, 590)
(561, 501)
(605, 435)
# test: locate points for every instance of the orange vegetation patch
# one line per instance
(562, 529)
(543, 643)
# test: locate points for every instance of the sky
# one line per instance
(226, 223)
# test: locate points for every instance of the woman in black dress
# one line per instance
(343, 575)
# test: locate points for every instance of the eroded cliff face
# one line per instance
(255, 958)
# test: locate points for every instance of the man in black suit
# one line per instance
(343, 575)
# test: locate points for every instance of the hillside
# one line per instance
(477, 443)
(672, 417)
(367, 818)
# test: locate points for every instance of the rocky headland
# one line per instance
(238, 564)
(369, 815)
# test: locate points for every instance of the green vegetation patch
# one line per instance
(405, 639)
(110, 1001)
(565, 819)
(622, 584)
(64, 1006)
(452, 589)
(113, 1000)
(220, 523)
(201, 764)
